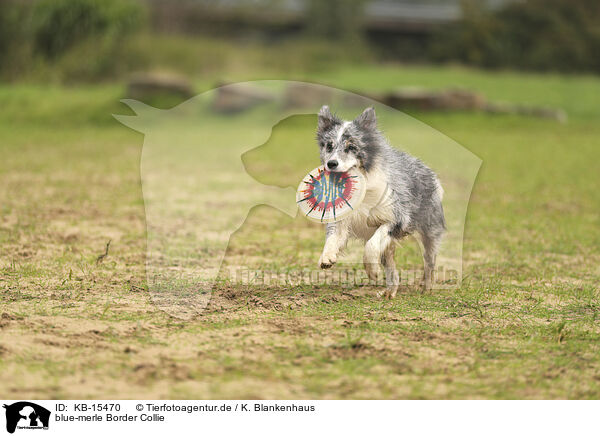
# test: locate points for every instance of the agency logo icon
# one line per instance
(26, 415)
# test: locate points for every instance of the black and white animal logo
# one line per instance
(26, 415)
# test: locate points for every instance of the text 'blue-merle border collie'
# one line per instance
(403, 197)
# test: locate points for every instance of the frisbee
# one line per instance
(326, 196)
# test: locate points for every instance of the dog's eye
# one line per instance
(351, 149)
(329, 146)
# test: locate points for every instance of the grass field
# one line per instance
(523, 325)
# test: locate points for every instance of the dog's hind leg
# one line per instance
(375, 249)
(392, 278)
(431, 244)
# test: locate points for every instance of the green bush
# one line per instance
(58, 25)
(14, 45)
(142, 51)
(533, 34)
(340, 20)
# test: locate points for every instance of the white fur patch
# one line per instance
(376, 208)
(439, 191)
(343, 129)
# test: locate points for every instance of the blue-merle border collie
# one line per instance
(403, 197)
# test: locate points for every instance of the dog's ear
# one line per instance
(367, 120)
(327, 119)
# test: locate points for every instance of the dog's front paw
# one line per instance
(327, 260)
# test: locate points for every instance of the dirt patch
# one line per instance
(145, 373)
(7, 318)
(233, 299)
(354, 350)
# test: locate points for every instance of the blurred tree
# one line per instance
(61, 24)
(532, 34)
(340, 20)
(14, 37)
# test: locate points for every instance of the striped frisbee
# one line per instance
(326, 196)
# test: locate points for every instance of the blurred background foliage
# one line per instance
(98, 40)
(533, 34)
(58, 25)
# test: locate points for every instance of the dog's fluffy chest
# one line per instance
(376, 208)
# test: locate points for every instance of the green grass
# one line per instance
(523, 325)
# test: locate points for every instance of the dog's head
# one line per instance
(347, 144)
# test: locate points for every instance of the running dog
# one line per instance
(403, 197)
